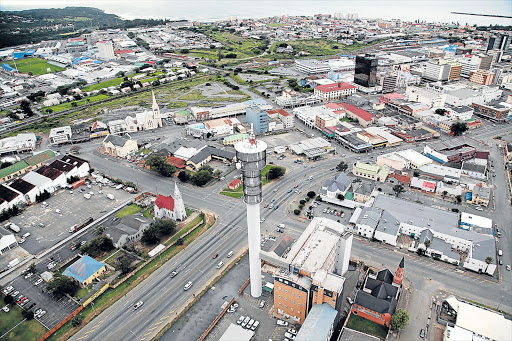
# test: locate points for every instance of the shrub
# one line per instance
(296, 211)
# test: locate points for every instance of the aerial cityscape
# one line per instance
(242, 170)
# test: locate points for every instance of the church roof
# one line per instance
(165, 202)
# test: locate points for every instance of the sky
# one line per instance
(207, 10)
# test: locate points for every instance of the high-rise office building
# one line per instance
(366, 70)
(258, 118)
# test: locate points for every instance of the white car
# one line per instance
(41, 314)
(39, 281)
(51, 265)
(282, 323)
(6, 309)
(262, 220)
(138, 305)
(479, 208)
(27, 276)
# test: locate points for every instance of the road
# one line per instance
(163, 296)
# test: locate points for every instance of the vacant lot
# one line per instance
(35, 65)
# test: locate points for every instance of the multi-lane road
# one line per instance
(163, 296)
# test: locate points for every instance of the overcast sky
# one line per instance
(431, 10)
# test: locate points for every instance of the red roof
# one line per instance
(165, 202)
(430, 185)
(176, 162)
(405, 179)
(278, 111)
(393, 95)
(334, 87)
(234, 183)
(365, 115)
(122, 51)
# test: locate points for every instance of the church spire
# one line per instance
(179, 206)
(156, 112)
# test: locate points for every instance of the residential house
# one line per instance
(129, 229)
(481, 196)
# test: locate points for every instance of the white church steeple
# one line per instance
(179, 206)
(156, 111)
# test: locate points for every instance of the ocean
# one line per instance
(213, 10)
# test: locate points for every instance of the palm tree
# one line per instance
(488, 260)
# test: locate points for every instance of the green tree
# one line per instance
(167, 169)
(399, 319)
(311, 194)
(32, 268)
(62, 285)
(28, 314)
(296, 211)
(184, 176)
(179, 241)
(340, 197)
(275, 172)
(398, 189)
(97, 246)
(76, 320)
(458, 128)
(207, 168)
(25, 107)
(427, 244)
(125, 265)
(441, 111)
(342, 166)
(201, 178)
(458, 198)
(444, 193)
(99, 230)
(488, 261)
(164, 227)
(8, 299)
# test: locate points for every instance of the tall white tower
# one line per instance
(251, 155)
(179, 207)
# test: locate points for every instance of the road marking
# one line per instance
(152, 329)
(156, 324)
(83, 337)
(164, 317)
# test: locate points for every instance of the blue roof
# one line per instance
(83, 268)
(318, 323)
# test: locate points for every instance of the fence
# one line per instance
(212, 325)
(61, 323)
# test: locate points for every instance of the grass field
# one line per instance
(35, 65)
(317, 47)
(132, 209)
(363, 325)
(83, 101)
(232, 43)
(237, 194)
(27, 330)
(194, 95)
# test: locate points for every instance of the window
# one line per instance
(299, 296)
(286, 306)
(286, 291)
(279, 296)
(291, 309)
(278, 288)
(299, 304)
(293, 294)
(285, 299)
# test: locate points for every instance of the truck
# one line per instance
(110, 196)
(87, 196)
(13, 227)
(119, 186)
(13, 263)
(77, 184)
(76, 228)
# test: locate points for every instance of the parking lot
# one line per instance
(57, 223)
(56, 310)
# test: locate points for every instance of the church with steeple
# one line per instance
(170, 207)
(379, 295)
(149, 119)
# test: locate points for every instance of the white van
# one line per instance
(230, 254)
(500, 252)
(188, 286)
(310, 178)
(220, 265)
(281, 226)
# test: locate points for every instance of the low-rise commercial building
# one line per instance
(85, 270)
(335, 91)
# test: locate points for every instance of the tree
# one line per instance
(488, 261)
(8, 299)
(32, 268)
(49, 110)
(99, 230)
(398, 189)
(164, 227)
(120, 73)
(97, 246)
(62, 285)
(302, 202)
(179, 241)
(184, 176)
(231, 55)
(342, 166)
(207, 168)
(201, 178)
(149, 237)
(25, 107)
(458, 128)
(441, 111)
(125, 265)
(296, 211)
(416, 173)
(458, 198)
(399, 319)
(340, 197)
(77, 320)
(275, 172)
(29, 315)
(444, 193)
(311, 194)
(167, 170)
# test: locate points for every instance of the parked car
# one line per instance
(349, 300)
(422, 333)
(6, 308)
(246, 320)
(282, 323)
(262, 303)
(39, 281)
(240, 320)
